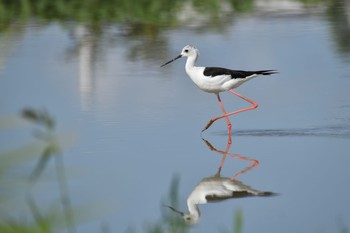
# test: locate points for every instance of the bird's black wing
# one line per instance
(216, 71)
(235, 74)
(235, 194)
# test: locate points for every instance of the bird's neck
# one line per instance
(190, 62)
(193, 210)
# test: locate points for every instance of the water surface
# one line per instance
(138, 125)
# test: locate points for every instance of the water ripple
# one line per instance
(334, 131)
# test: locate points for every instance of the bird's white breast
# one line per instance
(211, 84)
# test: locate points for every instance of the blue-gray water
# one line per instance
(138, 125)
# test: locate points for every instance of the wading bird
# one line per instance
(216, 80)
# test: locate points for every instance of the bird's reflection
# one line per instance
(218, 188)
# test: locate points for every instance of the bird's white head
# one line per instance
(187, 51)
(191, 219)
(188, 217)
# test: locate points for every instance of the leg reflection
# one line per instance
(226, 153)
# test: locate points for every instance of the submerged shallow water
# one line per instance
(137, 126)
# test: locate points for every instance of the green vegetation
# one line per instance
(131, 12)
(238, 222)
(170, 222)
(135, 18)
(48, 147)
(88, 10)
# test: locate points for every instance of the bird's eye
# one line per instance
(186, 50)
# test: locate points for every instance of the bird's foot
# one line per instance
(208, 125)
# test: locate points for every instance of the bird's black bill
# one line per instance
(171, 60)
(175, 210)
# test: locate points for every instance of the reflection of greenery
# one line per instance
(159, 12)
(141, 19)
(339, 14)
(131, 12)
(146, 11)
(242, 5)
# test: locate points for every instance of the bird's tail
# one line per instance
(266, 72)
(266, 194)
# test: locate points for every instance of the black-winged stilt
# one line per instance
(217, 188)
(214, 189)
(216, 80)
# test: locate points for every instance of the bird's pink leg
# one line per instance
(224, 153)
(255, 163)
(229, 142)
(226, 115)
(229, 125)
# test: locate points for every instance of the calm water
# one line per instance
(137, 126)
